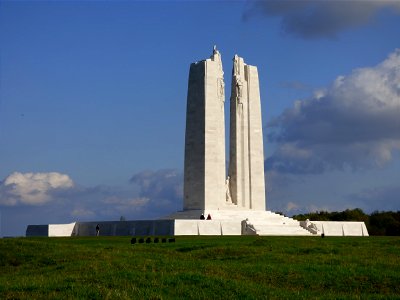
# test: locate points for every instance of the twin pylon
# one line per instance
(206, 184)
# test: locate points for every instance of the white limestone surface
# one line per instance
(209, 227)
(205, 183)
(230, 222)
(332, 228)
(351, 229)
(246, 156)
(223, 223)
(231, 228)
(204, 167)
(61, 229)
(186, 227)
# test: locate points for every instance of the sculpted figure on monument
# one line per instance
(228, 190)
(239, 88)
(221, 89)
(236, 64)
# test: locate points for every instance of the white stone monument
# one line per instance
(204, 171)
(246, 159)
(206, 186)
(235, 203)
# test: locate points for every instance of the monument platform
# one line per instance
(236, 222)
(223, 222)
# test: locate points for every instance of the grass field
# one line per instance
(201, 268)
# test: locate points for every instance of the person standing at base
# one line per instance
(97, 230)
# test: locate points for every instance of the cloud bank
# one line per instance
(150, 194)
(42, 198)
(164, 188)
(353, 124)
(312, 19)
(32, 188)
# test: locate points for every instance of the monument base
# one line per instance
(236, 222)
(223, 222)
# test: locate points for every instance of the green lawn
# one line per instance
(201, 268)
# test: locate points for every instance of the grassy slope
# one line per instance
(200, 267)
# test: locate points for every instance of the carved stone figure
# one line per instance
(239, 89)
(228, 190)
(221, 90)
(236, 65)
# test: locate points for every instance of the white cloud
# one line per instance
(32, 188)
(152, 194)
(312, 19)
(81, 212)
(161, 186)
(354, 123)
(125, 205)
(291, 206)
(55, 198)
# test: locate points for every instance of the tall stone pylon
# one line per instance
(246, 156)
(204, 167)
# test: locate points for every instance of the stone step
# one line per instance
(281, 230)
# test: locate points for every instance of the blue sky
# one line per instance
(93, 100)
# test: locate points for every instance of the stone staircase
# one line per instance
(271, 223)
(252, 222)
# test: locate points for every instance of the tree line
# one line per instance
(378, 222)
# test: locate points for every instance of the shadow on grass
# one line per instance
(192, 248)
